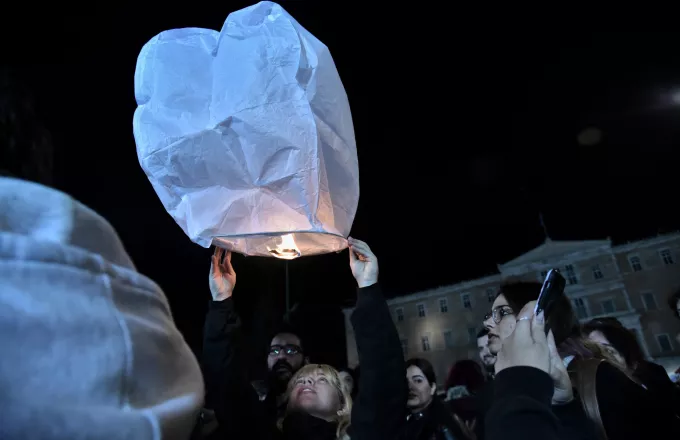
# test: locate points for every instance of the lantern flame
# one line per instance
(286, 250)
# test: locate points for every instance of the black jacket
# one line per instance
(627, 410)
(435, 422)
(521, 406)
(655, 378)
(378, 410)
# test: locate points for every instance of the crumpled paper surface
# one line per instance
(246, 134)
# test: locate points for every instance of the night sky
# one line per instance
(466, 129)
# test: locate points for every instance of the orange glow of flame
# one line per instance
(286, 250)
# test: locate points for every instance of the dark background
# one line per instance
(466, 128)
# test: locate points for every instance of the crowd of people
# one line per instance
(575, 381)
(90, 349)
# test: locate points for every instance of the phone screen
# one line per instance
(553, 288)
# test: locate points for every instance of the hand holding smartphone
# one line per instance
(553, 288)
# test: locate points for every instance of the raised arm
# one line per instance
(379, 409)
(228, 389)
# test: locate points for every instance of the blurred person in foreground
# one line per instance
(89, 346)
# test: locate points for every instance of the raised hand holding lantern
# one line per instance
(246, 135)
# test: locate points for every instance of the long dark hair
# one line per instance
(439, 416)
(622, 339)
(354, 373)
(425, 366)
(562, 321)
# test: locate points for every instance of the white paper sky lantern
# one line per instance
(246, 135)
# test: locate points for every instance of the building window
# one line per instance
(448, 339)
(635, 263)
(597, 273)
(421, 310)
(467, 302)
(666, 256)
(608, 306)
(404, 346)
(426, 343)
(472, 335)
(580, 308)
(491, 294)
(649, 301)
(443, 305)
(664, 342)
(570, 274)
(399, 311)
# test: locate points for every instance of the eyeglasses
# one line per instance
(498, 313)
(288, 350)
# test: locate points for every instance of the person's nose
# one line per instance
(309, 381)
(488, 323)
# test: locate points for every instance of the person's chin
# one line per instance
(284, 375)
(306, 400)
(495, 346)
(490, 362)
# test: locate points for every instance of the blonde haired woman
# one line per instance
(319, 406)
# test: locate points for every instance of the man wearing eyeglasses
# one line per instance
(284, 359)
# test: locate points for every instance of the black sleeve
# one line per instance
(484, 400)
(574, 423)
(629, 411)
(521, 406)
(378, 412)
(228, 389)
(655, 378)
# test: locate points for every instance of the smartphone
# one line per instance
(552, 290)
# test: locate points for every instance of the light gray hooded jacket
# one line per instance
(88, 347)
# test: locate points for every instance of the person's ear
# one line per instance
(305, 361)
(433, 389)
